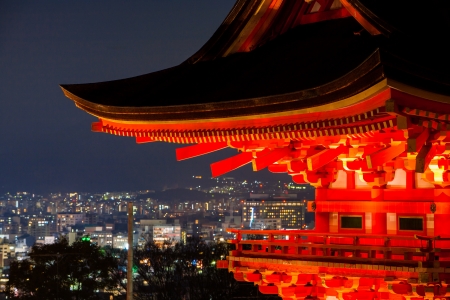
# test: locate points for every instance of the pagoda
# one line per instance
(350, 96)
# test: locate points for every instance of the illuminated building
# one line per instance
(350, 96)
(120, 241)
(38, 227)
(291, 212)
(65, 220)
(102, 238)
(196, 229)
(166, 234)
(265, 224)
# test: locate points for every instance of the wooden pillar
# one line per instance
(387, 252)
(356, 243)
(239, 239)
(408, 256)
(410, 179)
(271, 246)
(379, 225)
(326, 241)
(350, 180)
(298, 249)
(322, 221)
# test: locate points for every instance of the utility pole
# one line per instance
(130, 253)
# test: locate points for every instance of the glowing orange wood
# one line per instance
(97, 126)
(296, 166)
(358, 164)
(268, 289)
(320, 159)
(231, 163)
(382, 156)
(282, 168)
(199, 149)
(144, 139)
(374, 102)
(270, 158)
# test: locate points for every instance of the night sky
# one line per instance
(46, 143)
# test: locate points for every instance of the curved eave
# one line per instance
(360, 79)
(362, 112)
(368, 100)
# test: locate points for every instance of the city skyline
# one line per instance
(47, 142)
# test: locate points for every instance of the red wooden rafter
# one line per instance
(199, 149)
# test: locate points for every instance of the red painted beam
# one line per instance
(144, 139)
(199, 149)
(320, 159)
(97, 126)
(281, 168)
(269, 158)
(383, 156)
(359, 206)
(231, 163)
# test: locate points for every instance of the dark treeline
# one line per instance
(84, 271)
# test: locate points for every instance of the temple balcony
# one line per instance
(301, 263)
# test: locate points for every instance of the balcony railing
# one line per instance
(349, 248)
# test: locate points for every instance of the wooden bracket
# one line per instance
(322, 158)
(384, 155)
(231, 163)
(199, 149)
(144, 139)
(269, 158)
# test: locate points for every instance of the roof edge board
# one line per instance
(318, 110)
(367, 66)
(418, 92)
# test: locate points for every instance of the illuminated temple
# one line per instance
(350, 96)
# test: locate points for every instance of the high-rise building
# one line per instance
(197, 229)
(290, 212)
(38, 227)
(65, 220)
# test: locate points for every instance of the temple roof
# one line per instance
(274, 64)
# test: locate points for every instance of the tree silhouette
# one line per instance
(188, 271)
(62, 271)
